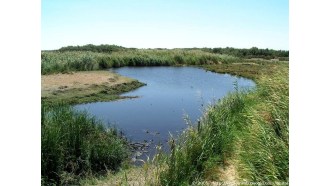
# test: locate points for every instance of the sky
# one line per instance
(166, 23)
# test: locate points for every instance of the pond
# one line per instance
(172, 96)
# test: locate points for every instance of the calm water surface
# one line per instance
(171, 94)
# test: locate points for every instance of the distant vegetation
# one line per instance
(93, 48)
(75, 145)
(91, 57)
(253, 52)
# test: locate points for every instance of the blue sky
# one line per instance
(166, 23)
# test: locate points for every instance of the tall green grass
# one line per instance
(56, 61)
(74, 145)
(264, 154)
(199, 149)
(246, 129)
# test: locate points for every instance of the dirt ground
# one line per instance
(79, 80)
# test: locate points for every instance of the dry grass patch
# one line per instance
(134, 176)
(87, 86)
(81, 80)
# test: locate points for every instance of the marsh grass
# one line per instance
(74, 145)
(200, 149)
(147, 174)
(264, 143)
(246, 68)
(56, 61)
(247, 129)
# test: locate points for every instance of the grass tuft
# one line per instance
(74, 145)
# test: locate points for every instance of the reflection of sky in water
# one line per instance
(171, 93)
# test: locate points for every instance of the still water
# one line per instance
(172, 95)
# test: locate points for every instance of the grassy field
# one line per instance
(82, 87)
(242, 138)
